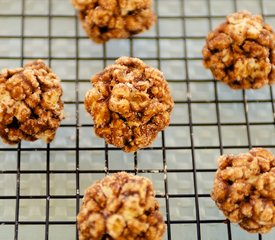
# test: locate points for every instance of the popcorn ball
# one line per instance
(30, 106)
(241, 52)
(106, 19)
(120, 206)
(130, 103)
(244, 189)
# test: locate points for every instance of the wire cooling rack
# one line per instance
(41, 185)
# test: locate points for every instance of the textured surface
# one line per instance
(241, 51)
(104, 20)
(120, 206)
(31, 106)
(130, 103)
(188, 80)
(244, 189)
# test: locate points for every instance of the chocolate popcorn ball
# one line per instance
(106, 19)
(120, 206)
(130, 103)
(241, 52)
(244, 189)
(30, 106)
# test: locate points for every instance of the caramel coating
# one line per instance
(130, 103)
(120, 206)
(106, 19)
(241, 52)
(30, 106)
(244, 189)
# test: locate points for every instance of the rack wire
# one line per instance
(42, 184)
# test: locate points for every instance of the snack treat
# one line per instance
(241, 51)
(30, 106)
(106, 19)
(120, 206)
(130, 103)
(244, 189)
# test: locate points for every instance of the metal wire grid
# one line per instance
(210, 119)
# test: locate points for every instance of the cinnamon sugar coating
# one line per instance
(120, 206)
(244, 189)
(106, 19)
(30, 106)
(130, 103)
(241, 51)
